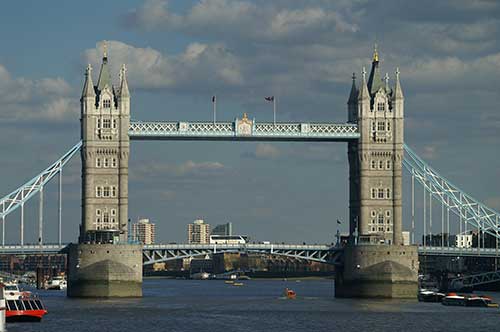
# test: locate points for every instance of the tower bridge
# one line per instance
(374, 263)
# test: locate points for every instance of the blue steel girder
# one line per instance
(469, 209)
(158, 130)
(22, 194)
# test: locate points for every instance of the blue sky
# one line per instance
(179, 53)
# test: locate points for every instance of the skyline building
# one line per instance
(144, 231)
(199, 232)
(223, 229)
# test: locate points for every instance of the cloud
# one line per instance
(46, 99)
(188, 169)
(263, 151)
(150, 69)
(258, 21)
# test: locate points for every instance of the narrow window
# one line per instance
(374, 213)
(98, 162)
(388, 193)
(106, 218)
(114, 123)
(388, 125)
(98, 212)
(374, 193)
(113, 163)
(381, 193)
(374, 127)
(113, 191)
(98, 191)
(381, 164)
(113, 212)
(388, 164)
(388, 213)
(374, 164)
(98, 123)
(106, 163)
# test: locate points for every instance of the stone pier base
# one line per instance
(104, 270)
(378, 271)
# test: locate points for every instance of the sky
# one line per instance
(181, 52)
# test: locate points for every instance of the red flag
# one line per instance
(271, 98)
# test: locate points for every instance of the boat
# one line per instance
(58, 283)
(237, 284)
(290, 294)
(427, 295)
(22, 306)
(454, 299)
(480, 301)
(229, 282)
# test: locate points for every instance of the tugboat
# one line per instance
(22, 306)
(480, 301)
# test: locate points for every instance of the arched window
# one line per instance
(98, 162)
(113, 163)
(374, 164)
(381, 164)
(388, 164)
(106, 163)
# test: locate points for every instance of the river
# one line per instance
(212, 305)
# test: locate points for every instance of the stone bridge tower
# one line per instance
(103, 264)
(376, 264)
(105, 120)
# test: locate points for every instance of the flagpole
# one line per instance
(274, 111)
(215, 106)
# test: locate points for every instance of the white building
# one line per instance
(199, 232)
(144, 231)
(463, 240)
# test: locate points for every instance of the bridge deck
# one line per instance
(233, 131)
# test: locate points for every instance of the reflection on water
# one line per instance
(259, 305)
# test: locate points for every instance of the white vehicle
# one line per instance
(228, 239)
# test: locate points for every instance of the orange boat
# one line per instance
(290, 294)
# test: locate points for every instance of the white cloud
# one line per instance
(27, 99)
(150, 69)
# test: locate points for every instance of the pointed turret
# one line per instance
(363, 89)
(88, 87)
(353, 96)
(124, 93)
(104, 76)
(386, 80)
(398, 91)
(374, 81)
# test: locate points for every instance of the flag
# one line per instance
(213, 99)
(271, 98)
(338, 222)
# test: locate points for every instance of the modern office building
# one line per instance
(199, 232)
(143, 231)
(223, 229)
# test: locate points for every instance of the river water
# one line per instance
(212, 305)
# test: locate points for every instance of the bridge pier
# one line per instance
(378, 271)
(104, 270)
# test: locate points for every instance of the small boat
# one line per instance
(290, 294)
(238, 284)
(229, 282)
(22, 306)
(454, 299)
(426, 295)
(480, 301)
(58, 283)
